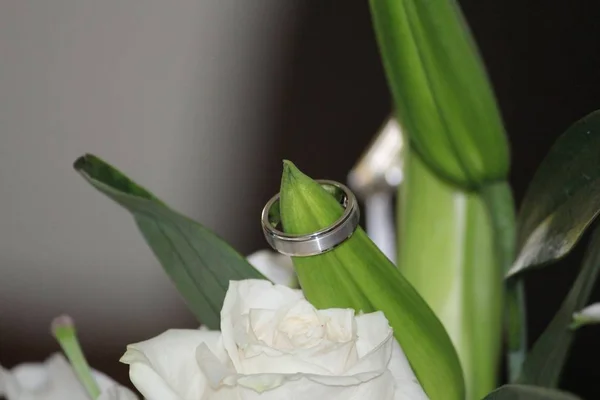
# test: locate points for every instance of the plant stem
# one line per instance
(63, 329)
(498, 198)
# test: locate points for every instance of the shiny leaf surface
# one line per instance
(563, 198)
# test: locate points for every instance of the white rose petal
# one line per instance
(274, 266)
(54, 379)
(275, 345)
(165, 367)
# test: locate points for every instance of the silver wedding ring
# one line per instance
(317, 242)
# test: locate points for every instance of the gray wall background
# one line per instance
(178, 95)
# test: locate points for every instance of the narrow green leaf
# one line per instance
(443, 98)
(525, 392)
(446, 251)
(515, 327)
(199, 263)
(548, 355)
(63, 330)
(499, 202)
(356, 274)
(563, 198)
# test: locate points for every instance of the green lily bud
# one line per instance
(357, 275)
(442, 95)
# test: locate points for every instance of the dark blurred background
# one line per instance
(328, 96)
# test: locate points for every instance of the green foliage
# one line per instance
(447, 252)
(199, 263)
(442, 95)
(356, 274)
(546, 359)
(563, 198)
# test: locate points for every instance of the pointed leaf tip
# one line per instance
(288, 166)
(80, 163)
(292, 173)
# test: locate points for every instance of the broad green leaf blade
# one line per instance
(442, 95)
(546, 359)
(563, 198)
(199, 263)
(446, 251)
(356, 274)
(526, 392)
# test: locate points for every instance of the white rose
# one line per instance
(54, 379)
(275, 345)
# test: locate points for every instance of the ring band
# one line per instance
(317, 242)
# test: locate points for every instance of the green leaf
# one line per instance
(525, 392)
(442, 95)
(563, 198)
(547, 357)
(356, 274)
(446, 251)
(199, 262)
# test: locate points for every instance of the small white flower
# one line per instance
(275, 345)
(274, 266)
(54, 379)
(589, 315)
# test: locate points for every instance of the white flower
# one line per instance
(589, 315)
(274, 266)
(275, 345)
(54, 379)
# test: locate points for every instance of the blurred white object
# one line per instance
(587, 316)
(374, 179)
(278, 268)
(379, 217)
(380, 166)
(55, 380)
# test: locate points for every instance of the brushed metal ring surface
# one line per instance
(317, 242)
